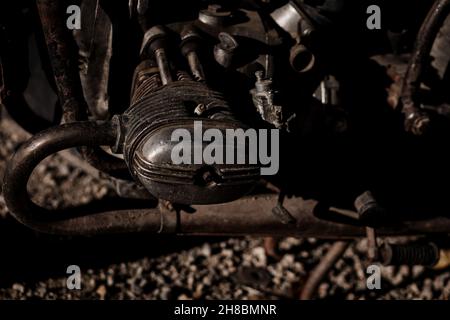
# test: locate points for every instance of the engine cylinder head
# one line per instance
(157, 111)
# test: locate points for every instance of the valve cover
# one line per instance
(149, 144)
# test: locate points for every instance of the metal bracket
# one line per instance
(282, 213)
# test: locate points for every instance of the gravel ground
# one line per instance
(32, 266)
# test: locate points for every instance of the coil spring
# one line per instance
(183, 76)
(412, 254)
(148, 83)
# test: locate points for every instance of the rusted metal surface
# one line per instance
(261, 215)
(425, 254)
(416, 121)
(247, 216)
(94, 40)
(63, 57)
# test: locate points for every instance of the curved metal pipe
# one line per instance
(415, 120)
(99, 217)
(247, 216)
(321, 270)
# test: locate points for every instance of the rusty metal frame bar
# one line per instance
(247, 216)
(416, 121)
(63, 56)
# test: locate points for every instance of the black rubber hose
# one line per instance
(104, 216)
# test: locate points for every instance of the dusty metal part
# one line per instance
(247, 216)
(225, 49)
(244, 23)
(78, 221)
(293, 20)
(123, 188)
(237, 220)
(163, 65)
(301, 58)
(63, 60)
(243, 217)
(214, 15)
(139, 7)
(328, 91)
(416, 120)
(94, 40)
(128, 189)
(321, 270)
(372, 246)
(154, 40)
(189, 48)
(239, 22)
(146, 79)
(263, 98)
(368, 208)
(64, 63)
(148, 145)
(426, 254)
(196, 66)
(257, 37)
(281, 212)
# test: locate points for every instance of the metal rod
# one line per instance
(322, 269)
(163, 65)
(63, 60)
(415, 120)
(195, 66)
(247, 216)
(372, 246)
(98, 217)
(62, 53)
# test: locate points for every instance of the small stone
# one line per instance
(101, 291)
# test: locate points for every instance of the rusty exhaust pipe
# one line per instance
(247, 216)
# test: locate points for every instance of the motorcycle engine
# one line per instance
(173, 89)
